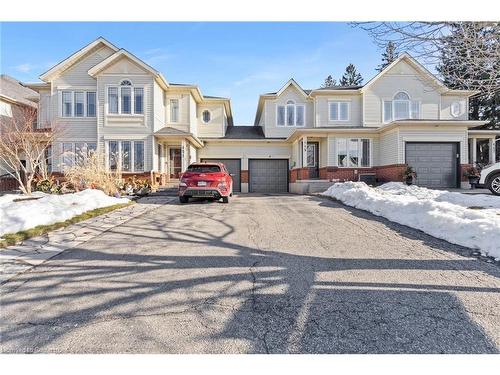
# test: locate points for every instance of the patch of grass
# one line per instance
(13, 238)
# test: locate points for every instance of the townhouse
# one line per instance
(107, 99)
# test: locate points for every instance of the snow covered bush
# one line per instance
(442, 214)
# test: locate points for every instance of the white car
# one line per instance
(490, 178)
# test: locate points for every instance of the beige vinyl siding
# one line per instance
(323, 152)
(215, 128)
(401, 77)
(245, 150)
(77, 75)
(193, 120)
(158, 107)
(322, 110)
(447, 101)
(442, 134)
(388, 148)
(183, 98)
(44, 109)
(271, 130)
(140, 128)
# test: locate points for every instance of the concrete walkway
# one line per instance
(34, 251)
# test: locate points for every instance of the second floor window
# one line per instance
(174, 110)
(290, 114)
(401, 108)
(125, 99)
(206, 116)
(338, 111)
(78, 104)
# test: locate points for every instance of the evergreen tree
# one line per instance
(388, 56)
(351, 77)
(329, 82)
(456, 74)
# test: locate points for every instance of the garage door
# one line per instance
(435, 163)
(268, 175)
(234, 167)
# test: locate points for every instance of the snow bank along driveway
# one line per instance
(49, 209)
(468, 220)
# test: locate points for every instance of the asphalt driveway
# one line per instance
(264, 274)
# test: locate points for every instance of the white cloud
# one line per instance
(24, 68)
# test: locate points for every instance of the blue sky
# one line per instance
(238, 60)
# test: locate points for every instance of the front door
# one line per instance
(175, 162)
(312, 159)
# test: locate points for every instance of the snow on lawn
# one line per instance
(441, 214)
(49, 209)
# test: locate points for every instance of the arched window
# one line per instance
(126, 82)
(206, 116)
(290, 114)
(401, 107)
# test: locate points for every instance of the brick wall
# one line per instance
(244, 177)
(383, 173)
(393, 172)
(463, 168)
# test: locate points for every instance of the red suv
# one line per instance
(206, 180)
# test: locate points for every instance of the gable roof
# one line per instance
(69, 61)
(126, 54)
(415, 64)
(292, 82)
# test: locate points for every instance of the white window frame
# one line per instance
(210, 115)
(360, 149)
(132, 154)
(285, 123)
(87, 104)
(73, 103)
(393, 109)
(132, 88)
(172, 110)
(337, 103)
(452, 112)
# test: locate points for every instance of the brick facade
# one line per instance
(244, 177)
(463, 168)
(384, 173)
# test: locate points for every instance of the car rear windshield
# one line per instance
(204, 168)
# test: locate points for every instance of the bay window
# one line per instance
(338, 111)
(128, 156)
(353, 153)
(290, 114)
(125, 99)
(401, 108)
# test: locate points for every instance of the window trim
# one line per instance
(209, 114)
(337, 102)
(132, 100)
(172, 108)
(393, 110)
(285, 123)
(132, 154)
(359, 140)
(73, 93)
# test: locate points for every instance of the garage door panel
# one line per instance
(435, 163)
(234, 167)
(268, 175)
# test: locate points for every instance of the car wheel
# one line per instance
(184, 199)
(494, 184)
(225, 199)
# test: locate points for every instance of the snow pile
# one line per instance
(49, 209)
(439, 213)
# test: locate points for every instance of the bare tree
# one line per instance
(478, 42)
(23, 147)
